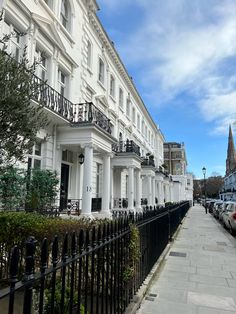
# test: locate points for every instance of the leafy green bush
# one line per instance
(12, 188)
(35, 190)
(57, 300)
(21, 225)
(42, 189)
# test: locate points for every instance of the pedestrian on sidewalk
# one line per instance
(205, 208)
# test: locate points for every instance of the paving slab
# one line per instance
(199, 276)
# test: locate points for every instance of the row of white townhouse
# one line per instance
(101, 140)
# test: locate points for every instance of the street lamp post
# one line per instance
(204, 176)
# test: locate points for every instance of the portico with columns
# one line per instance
(83, 183)
(126, 185)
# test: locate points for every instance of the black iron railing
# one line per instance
(148, 162)
(91, 272)
(120, 203)
(50, 98)
(127, 146)
(89, 113)
(74, 206)
(74, 113)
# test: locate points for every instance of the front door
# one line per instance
(64, 186)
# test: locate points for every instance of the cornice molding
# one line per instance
(108, 45)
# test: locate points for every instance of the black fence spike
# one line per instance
(65, 247)
(14, 263)
(44, 254)
(81, 241)
(73, 244)
(55, 250)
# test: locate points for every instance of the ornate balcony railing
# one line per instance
(53, 100)
(120, 202)
(148, 162)
(74, 113)
(127, 146)
(89, 113)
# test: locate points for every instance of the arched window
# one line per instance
(65, 14)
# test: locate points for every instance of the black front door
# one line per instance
(64, 186)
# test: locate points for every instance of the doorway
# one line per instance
(65, 170)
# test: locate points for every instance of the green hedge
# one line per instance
(16, 227)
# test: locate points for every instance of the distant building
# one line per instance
(175, 158)
(175, 163)
(228, 191)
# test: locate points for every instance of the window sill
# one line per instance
(101, 84)
(112, 98)
(121, 109)
(89, 70)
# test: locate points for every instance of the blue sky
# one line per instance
(182, 57)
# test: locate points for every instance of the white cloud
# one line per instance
(181, 46)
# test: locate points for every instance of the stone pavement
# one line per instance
(198, 275)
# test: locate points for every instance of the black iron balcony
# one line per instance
(127, 146)
(120, 202)
(50, 98)
(74, 113)
(89, 113)
(148, 162)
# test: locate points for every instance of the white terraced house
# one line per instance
(101, 140)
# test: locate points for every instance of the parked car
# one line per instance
(216, 208)
(222, 209)
(229, 217)
(210, 205)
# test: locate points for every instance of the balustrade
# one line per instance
(127, 146)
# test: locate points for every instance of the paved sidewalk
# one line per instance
(198, 275)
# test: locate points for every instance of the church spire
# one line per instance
(231, 156)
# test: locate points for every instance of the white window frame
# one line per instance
(112, 86)
(89, 54)
(42, 67)
(138, 121)
(134, 115)
(14, 45)
(61, 84)
(128, 105)
(33, 156)
(101, 71)
(121, 98)
(65, 17)
(143, 126)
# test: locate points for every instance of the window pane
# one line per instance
(89, 57)
(38, 149)
(101, 71)
(37, 164)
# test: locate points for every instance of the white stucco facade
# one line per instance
(93, 107)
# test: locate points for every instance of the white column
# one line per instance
(105, 212)
(57, 168)
(77, 174)
(149, 191)
(138, 190)
(161, 193)
(153, 191)
(87, 182)
(131, 188)
(111, 189)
